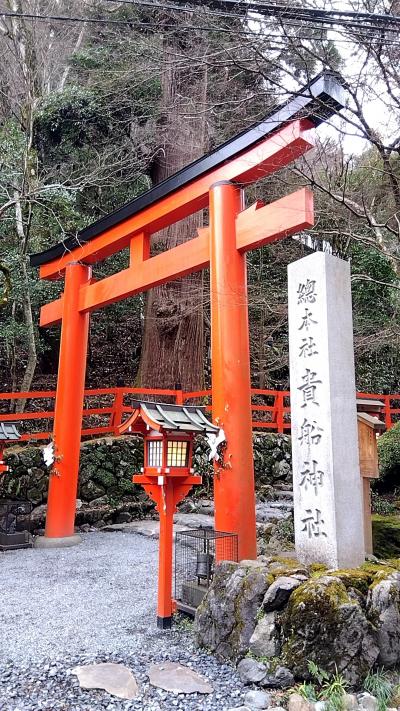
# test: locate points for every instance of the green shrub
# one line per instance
(389, 459)
(382, 505)
(386, 536)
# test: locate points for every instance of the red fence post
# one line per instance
(116, 415)
(179, 399)
(388, 414)
(279, 413)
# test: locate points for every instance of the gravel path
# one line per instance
(93, 602)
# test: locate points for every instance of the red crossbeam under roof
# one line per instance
(254, 227)
(272, 153)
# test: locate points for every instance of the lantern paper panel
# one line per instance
(155, 453)
(177, 452)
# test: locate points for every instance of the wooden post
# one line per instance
(63, 482)
(231, 405)
(388, 414)
(369, 544)
(166, 509)
(279, 413)
(116, 416)
(179, 399)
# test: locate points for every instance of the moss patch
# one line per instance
(317, 569)
(313, 608)
(381, 571)
(279, 566)
(358, 579)
(362, 578)
(386, 536)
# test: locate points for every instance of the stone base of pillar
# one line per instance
(65, 542)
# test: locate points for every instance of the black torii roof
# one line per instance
(319, 100)
(161, 416)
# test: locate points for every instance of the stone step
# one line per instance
(282, 494)
(150, 529)
(194, 520)
(265, 513)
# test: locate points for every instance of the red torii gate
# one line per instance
(216, 181)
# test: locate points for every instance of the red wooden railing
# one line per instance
(271, 409)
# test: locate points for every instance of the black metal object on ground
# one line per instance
(196, 554)
(323, 97)
(15, 521)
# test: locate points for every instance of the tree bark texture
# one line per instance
(172, 350)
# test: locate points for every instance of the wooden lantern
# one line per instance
(167, 475)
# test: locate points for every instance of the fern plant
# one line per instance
(330, 688)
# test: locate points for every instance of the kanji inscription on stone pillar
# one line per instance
(328, 509)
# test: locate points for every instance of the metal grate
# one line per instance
(196, 554)
(15, 521)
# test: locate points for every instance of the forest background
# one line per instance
(101, 99)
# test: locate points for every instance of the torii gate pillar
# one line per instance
(231, 386)
(63, 484)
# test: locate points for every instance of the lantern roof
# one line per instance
(9, 432)
(163, 417)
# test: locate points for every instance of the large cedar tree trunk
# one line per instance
(172, 351)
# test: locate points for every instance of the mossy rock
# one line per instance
(90, 491)
(226, 618)
(35, 495)
(125, 486)
(357, 579)
(10, 487)
(279, 566)
(386, 536)
(323, 624)
(105, 478)
(87, 471)
(317, 569)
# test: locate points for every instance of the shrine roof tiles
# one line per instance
(8, 431)
(170, 418)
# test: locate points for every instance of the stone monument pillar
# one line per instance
(328, 510)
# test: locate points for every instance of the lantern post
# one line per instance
(167, 476)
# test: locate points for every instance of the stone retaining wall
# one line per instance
(106, 494)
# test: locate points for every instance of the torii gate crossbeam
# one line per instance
(217, 182)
